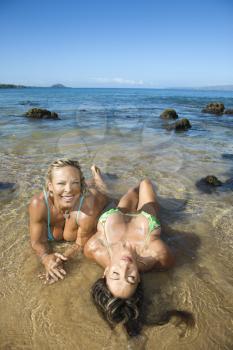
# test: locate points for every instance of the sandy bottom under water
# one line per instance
(199, 227)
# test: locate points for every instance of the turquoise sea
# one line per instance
(121, 131)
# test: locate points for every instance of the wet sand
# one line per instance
(198, 226)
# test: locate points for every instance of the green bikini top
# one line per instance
(153, 222)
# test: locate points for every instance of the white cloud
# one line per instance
(118, 81)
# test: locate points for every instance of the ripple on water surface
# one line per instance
(124, 135)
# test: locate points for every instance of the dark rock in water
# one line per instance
(228, 111)
(214, 108)
(229, 184)
(211, 183)
(7, 186)
(169, 114)
(82, 110)
(38, 113)
(227, 156)
(203, 187)
(7, 191)
(183, 124)
(29, 103)
(111, 176)
(180, 125)
(208, 184)
(23, 103)
(212, 180)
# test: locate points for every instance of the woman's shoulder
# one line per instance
(37, 208)
(37, 202)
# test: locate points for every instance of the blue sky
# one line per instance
(107, 43)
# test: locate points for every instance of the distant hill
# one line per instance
(58, 86)
(12, 86)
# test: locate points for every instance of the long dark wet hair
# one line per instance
(128, 311)
(117, 310)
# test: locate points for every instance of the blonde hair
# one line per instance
(61, 163)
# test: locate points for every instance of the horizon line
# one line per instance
(62, 86)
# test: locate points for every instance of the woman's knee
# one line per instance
(146, 181)
(133, 190)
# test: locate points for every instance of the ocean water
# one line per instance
(121, 131)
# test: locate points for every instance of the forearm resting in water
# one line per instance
(78, 245)
(41, 248)
(72, 251)
(53, 262)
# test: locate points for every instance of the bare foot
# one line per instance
(95, 171)
(97, 176)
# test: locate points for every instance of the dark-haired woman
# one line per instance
(127, 242)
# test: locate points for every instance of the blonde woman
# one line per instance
(66, 210)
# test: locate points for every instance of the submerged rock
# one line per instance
(229, 184)
(180, 125)
(227, 156)
(29, 103)
(214, 108)
(7, 186)
(169, 114)
(183, 124)
(111, 176)
(210, 184)
(38, 113)
(212, 180)
(7, 191)
(23, 103)
(228, 111)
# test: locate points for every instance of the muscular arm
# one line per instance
(72, 251)
(39, 242)
(37, 226)
(76, 247)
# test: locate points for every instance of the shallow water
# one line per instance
(120, 131)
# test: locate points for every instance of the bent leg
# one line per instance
(129, 201)
(147, 198)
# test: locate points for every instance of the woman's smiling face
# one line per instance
(65, 186)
